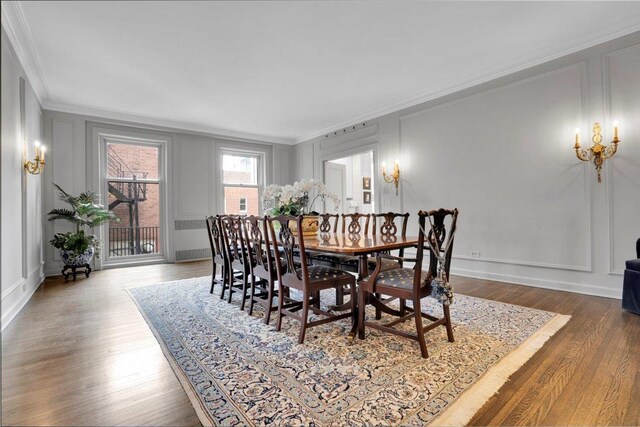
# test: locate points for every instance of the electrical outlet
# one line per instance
(475, 254)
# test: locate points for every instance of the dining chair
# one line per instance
(217, 252)
(308, 279)
(414, 283)
(328, 224)
(261, 265)
(355, 223)
(386, 227)
(234, 245)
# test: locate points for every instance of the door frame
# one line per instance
(361, 149)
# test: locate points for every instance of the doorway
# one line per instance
(351, 178)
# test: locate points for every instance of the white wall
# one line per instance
(502, 153)
(192, 174)
(21, 207)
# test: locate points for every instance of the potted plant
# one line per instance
(297, 199)
(78, 248)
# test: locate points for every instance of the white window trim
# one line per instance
(260, 176)
(163, 149)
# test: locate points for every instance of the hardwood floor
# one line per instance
(81, 354)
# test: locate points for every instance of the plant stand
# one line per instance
(74, 271)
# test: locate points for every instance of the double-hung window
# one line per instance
(242, 177)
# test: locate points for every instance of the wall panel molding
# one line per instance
(581, 67)
(608, 104)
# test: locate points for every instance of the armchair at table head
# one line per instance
(631, 283)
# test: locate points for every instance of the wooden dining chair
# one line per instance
(413, 283)
(261, 265)
(308, 279)
(329, 223)
(217, 252)
(234, 245)
(386, 227)
(355, 223)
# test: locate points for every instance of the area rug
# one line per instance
(238, 371)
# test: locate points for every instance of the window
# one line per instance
(241, 181)
(133, 187)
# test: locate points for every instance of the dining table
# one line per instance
(358, 245)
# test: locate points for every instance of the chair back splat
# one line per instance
(325, 223)
(355, 223)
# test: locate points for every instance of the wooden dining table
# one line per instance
(359, 245)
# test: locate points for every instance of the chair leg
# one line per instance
(213, 276)
(418, 315)
(378, 311)
(281, 292)
(316, 297)
(232, 279)
(267, 313)
(252, 293)
(225, 281)
(245, 288)
(305, 315)
(403, 306)
(340, 295)
(362, 293)
(447, 316)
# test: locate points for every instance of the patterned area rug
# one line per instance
(237, 370)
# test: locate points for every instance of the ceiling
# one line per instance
(288, 71)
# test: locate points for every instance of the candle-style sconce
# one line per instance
(36, 166)
(598, 152)
(394, 177)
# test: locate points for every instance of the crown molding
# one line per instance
(17, 31)
(633, 26)
(165, 122)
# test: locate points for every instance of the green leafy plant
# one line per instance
(78, 243)
(86, 213)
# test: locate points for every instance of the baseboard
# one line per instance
(33, 281)
(579, 288)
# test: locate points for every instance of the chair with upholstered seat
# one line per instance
(328, 224)
(234, 245)
(217, 253)
(631, 284)
(387, 227)
(413, 284)
(261, 265)
(308, 279)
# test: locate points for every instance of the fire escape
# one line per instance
(131, 240)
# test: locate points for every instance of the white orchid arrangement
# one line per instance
(294, 199)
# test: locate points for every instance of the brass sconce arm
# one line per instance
(598, 152)
(36, 166)
(394, 177)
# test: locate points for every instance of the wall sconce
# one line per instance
(598, 152)
(37, 166)
(395, 177)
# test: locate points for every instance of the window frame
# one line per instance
(260, 175)
(161, 146)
